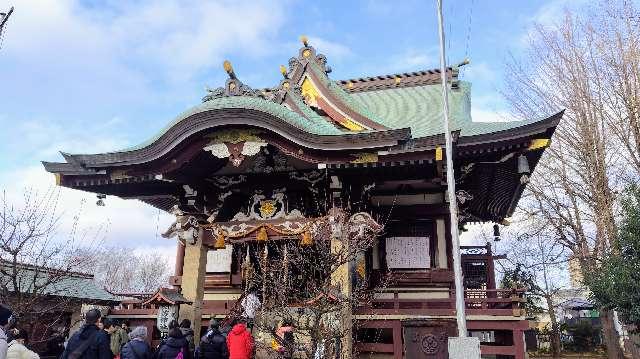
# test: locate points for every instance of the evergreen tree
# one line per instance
(616, 283)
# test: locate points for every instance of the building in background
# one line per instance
(50, 303)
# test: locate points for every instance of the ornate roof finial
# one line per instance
(233, 87)
(283, 71)
(229, 69)
(304, 40)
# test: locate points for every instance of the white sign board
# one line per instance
(219, 261)
(408, 252)
(166, 313)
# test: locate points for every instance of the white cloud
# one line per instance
(485, 115)
(407, 61)
(67, 60)
(550, 14)
(181, 38)
(490, 107)
(68, 56)
(128, 223)
(333, 50)
(480, 72)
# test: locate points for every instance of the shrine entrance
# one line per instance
(427, 339)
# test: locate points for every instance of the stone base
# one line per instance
(464, 348)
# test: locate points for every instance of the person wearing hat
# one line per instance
(5, 319)
(16, 348)
(213, 345)
(89, 342)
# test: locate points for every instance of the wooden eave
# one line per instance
(399, 80)
(211, 119)
(544, 127)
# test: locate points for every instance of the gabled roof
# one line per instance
(46, 281)
(316, 112)
(168, 296)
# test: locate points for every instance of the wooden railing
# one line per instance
(442, 302)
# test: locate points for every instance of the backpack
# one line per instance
(180, 355)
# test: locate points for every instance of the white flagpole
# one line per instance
(451, 187)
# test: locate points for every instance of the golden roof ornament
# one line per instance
(228, 68)
(233, 87)
(283, 71)
(305, 40)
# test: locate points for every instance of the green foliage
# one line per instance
(521, 278)
(584, 336)
(616, 283)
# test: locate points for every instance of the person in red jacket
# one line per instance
(240, 342)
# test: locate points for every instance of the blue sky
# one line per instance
(94, 76)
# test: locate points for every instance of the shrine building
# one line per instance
(249, 172)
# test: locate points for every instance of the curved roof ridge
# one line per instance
(317, 125)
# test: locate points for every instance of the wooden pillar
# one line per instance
(179, 259)
(491, 273)
(194, 270)
(397, 340)
(518, 344)
(441, 247)
(341, 278)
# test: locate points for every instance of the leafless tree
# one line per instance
(121, 270)
(38, 265)
(315, 286)
(588, 65)
(536, 260)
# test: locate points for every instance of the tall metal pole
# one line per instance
(451, 187)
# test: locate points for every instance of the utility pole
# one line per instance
(4, 17)
(461, 347)
(451, 186)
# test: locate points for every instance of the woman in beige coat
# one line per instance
(17, 350)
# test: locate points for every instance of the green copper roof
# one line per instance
(314, 123)
(420, 108)
(343, 95)
(78, 286)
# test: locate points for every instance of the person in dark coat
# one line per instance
(137, 347)
(174, 344)
(213, 345)
(187, 333)
(89, 342)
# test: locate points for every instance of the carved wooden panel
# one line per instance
(427, 339)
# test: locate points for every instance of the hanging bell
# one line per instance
(262, 235)
(523, 165)
(307, 240)
(496, 233)
(220, 241)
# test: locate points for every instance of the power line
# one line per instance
(466, 50)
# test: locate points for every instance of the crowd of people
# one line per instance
(102, 338)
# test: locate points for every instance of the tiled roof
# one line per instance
(407, 101)
(69, 285)
(417, 107)
(313, 123)
(420, 108)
